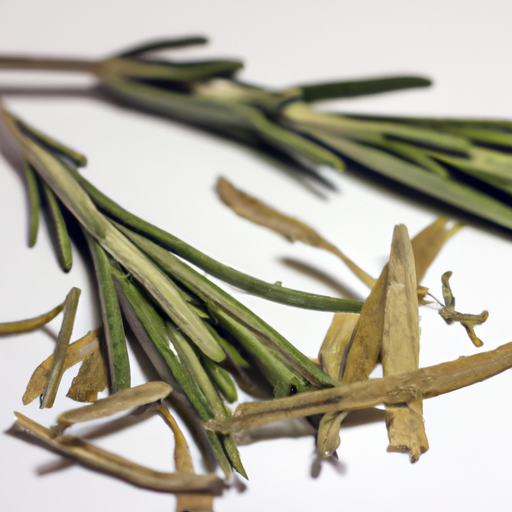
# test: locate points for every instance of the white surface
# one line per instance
(165, 173)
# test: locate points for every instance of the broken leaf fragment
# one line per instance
(75, 353)
(91, 378)
(400, 345)
(468, 321)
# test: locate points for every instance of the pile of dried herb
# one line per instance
(201, 340)
(465, 163)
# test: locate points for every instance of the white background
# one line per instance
(165, 173)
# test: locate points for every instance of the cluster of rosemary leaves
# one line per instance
(465, 163)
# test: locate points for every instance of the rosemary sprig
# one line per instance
(165, 302)
(465, 163)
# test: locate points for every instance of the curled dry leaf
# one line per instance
(31, 323)
(331, 357)
(260, 213)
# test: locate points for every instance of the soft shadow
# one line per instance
(319, 461)
(364, 417)
(290, 429)
(321, 276)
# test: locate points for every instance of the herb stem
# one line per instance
(396, 389)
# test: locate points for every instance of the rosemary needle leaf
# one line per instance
(269, 291)
(30, 324)
(59, 356)
(58, 229)
(211, 293)
(163, 44)
(33, 194)
(76, 158)
(282, 378)
(193, 366)
(117, 354)
(184, 397)
(452, 192)
(154, 329)
(152, 326)
(348, 89)
(124, 399)
(221, 378)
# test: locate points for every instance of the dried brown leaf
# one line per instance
(75, 353)
(183, 463)
(91, 379)
(31, 323)
(364, 350)
(336, 343)
(260, 213)
(120, 401)
(427, 244)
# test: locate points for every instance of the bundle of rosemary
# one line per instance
(463, 162)
(165, 300)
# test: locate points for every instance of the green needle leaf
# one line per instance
(163, 44)
(332, 90)
(33, 194)
(231, 276)
(448, 190)
(58, 230)
(117, 354)
(56, 147)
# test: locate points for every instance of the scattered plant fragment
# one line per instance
(468, 321)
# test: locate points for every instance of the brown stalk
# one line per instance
(396, 389)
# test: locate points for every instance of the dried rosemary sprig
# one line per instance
(166, 303)
(463, 162)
